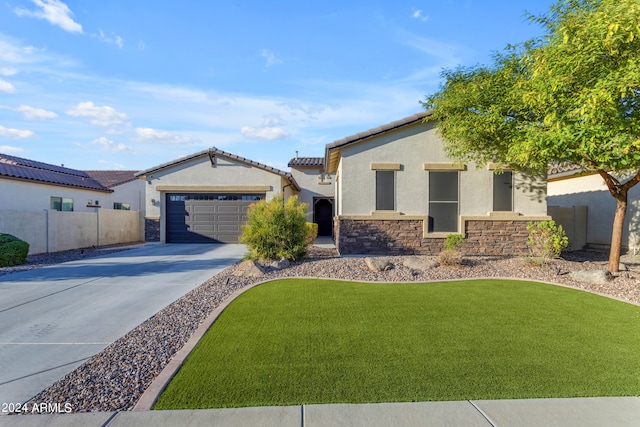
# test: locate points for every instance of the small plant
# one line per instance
(452, 254)
(546, 239)
(13, 251)
(454, 241)
(276, 230)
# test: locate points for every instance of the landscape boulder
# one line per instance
(378, 264)
(249, 269)
(595, 277)
(279, 265)
(420, 264)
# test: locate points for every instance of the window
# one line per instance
(443, 201)
(62, 204)
(121, 206)
(385, 191)
(503, 191)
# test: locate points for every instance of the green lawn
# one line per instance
(295, 341)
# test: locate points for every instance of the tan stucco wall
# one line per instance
(312, 187)
(52, 231)
(411, 147)
(591, 191)
(199, 175)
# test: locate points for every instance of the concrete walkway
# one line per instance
(611, 412)
(53, 319)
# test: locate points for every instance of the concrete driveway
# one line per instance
(53, 319)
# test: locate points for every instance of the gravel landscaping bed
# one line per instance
(114, 379)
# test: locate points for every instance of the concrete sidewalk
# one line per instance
(606, 411)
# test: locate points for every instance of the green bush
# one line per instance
(453, 241)
(312, 232)
(546, 239)
(276, 229)
(13, 251)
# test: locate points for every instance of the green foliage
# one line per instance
(546, 239)
(312, 232)
(276, 229)
(13, 251)
(569, 96)
(454, 241)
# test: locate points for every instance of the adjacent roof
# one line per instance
(307, 162)
(13, 167)
(212, 153)
(564, 169)
(332, 151)
(111, 179)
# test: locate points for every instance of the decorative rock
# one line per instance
(249, 269)
(623, 267)
(279, 265)
(420, 264)
(596, 277)
(378, 264)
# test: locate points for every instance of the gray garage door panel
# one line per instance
(207, 217)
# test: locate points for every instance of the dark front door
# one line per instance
(323, 216)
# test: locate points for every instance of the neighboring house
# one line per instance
(31, 185)
(128, 189)
(316, 190)
(204, 197)
(397, 192)
(582, 203)
(55, 208)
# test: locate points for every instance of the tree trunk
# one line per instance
(616, 234)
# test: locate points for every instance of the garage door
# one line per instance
(207, 217)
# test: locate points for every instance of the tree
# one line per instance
(572, 95)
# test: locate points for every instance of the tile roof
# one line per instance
(562, 169)
(112, 178)
(307, 162)
(13, 167)
(332, 150)
(212, 153)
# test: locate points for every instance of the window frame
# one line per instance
(433, 225)
(382, 203)
(68, 201)
(498, 184)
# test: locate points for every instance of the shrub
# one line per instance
(13, 251)
(452, 255)
(454, 241)
(276, 229)
(312, 232)
(546, 239)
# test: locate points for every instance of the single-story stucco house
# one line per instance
(389, 190)
(397, 192)
(56, 208)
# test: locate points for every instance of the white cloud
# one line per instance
(417, 14)
(141, 46)
(270, 57)
(9, 149)
(99, 116)
(111, 39)
(54, 11)
(6, 87)
(33, 113)
(8, 71)
(15, 133)
(163, 136)
(109, 145)
(266, 132)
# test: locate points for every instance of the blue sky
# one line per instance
(133, 84)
